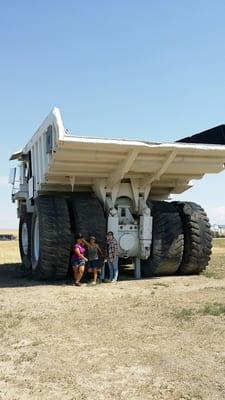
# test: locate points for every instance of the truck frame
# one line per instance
(68, 184)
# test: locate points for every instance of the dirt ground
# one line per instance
(161, 338)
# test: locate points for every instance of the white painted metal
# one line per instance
(127, 241)
(12, 175)
(134, 235)
(161, 169)
(145, 229)
(31, 188)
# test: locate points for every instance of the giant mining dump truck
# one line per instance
(66, 184)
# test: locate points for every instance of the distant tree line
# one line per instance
(216, 234)
(6, 236)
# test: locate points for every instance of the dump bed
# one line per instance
(63, 162)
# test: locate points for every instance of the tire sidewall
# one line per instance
(25, 224)
(34, 238)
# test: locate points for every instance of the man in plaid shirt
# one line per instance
(112, 256)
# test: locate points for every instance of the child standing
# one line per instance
(93, 257)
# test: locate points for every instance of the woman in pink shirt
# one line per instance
(78, 259)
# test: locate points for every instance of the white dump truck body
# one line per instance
(64, 162)
(60, 173)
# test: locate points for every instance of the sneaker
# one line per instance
(93, 283)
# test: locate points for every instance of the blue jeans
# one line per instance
(113, 269)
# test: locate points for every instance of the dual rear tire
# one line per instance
(47, 235)
(197, 238)
(167, 241)
(181, 240)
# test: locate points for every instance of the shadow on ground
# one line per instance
(14, 275)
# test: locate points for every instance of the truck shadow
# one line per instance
(13, 275)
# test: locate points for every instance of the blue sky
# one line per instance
(151, 70)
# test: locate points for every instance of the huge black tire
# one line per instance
(197, 238)
(167, 241)
(51, 238)
(25, 237)
(88, 218)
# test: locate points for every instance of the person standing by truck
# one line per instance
(112, 256)
(93, 257)
(78, 259)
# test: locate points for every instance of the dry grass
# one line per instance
(215, 309)
(9, 252)
(216, 267)
(218, 243)
(152, 339)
